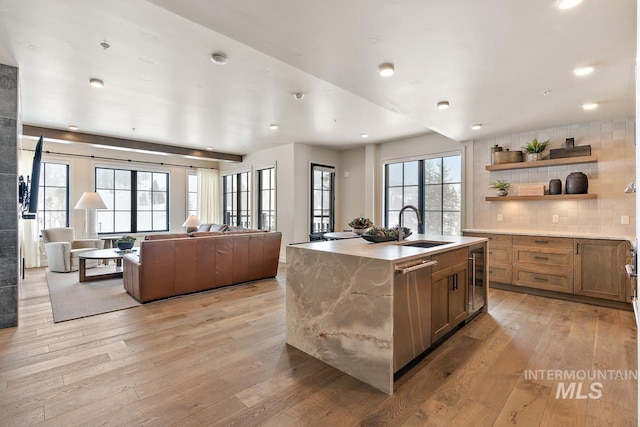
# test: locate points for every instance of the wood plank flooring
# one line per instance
(219, 358)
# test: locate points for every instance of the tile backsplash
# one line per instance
(612, 142)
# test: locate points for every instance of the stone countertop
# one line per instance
(568, 234)
(390, 251)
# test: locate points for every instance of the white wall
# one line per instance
(612, 141)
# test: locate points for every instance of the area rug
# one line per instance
(71, 299)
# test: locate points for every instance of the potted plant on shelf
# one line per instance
(501, 187)
(534, 149)
(125, 242)
(360, 224)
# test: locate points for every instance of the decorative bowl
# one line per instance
(123, 246)
(378, 239)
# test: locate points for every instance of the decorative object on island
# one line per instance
(501, 187)
(90, 201)
(500, 157)
(534, 149)
(192, 223)
(382, 234)
(125, 243)
(576, 183)
(555, 186)
(494, 149)
(360, 225)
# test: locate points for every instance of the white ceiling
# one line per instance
(491, 59)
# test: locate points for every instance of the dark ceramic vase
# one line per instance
(123, 246)
(577, 183)
(555, 186)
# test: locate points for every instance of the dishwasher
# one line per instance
(477, 280)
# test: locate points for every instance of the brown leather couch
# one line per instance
(176, 266)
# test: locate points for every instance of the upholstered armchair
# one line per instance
(62, 249)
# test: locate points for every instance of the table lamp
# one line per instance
(89, 201)
(191, 223)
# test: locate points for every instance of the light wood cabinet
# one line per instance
(543, 263)
(599, 268)
(500, 254)
(448, 292)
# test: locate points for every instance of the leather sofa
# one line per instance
(168, 267)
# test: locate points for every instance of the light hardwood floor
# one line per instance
(220, 358)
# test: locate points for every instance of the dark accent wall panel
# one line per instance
(9, 265)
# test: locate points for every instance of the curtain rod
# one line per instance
(121, 160)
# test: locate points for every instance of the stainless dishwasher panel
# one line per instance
(477, 279)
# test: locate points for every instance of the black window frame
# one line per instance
(271, 212)
(134, 199)
(42, 210)
(229, 217)
(332, 203)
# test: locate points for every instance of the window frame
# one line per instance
(238, 217)
(133, 220)
(43, 191)
(421, 188)
(272, 199)
(188, 192)
(332, 192)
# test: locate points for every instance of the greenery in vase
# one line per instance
(382, 232)
(500, 185)
(360, 223)
(535, 146)
(126, 239)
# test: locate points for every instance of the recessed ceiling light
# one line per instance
(443, 105)
(546, 92)
(387, 69)
(568, 4)
(298, 95)
(583, 71)
(364, 135)
(219, 58)
(590, 106)
(73, 128)
(209, 148)
(96, 83)
(476, 126)
(273, 126)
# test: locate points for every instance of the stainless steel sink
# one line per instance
(424, 244)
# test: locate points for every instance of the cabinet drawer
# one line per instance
(550, 281)
(494, 239)
(562, 258)
(451, 258)
(499, 255)
(500, 274)
(544, 242)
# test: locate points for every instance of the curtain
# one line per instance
(30, 234)
(209, 201)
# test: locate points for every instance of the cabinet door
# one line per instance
(440, 323)
(599, 269)
(411, 316)
(458, 295)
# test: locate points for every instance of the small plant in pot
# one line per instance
(125, 242)
(501, 187)
(360, 224)
(534, 149)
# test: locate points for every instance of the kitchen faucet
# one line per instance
(400, 228)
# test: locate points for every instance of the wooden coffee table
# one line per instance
(104, 254)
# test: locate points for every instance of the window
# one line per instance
(434, 186)
(137, 201)
(236, 199)
(267, 199)
(192, 195)
(322, 198)
(53, 196)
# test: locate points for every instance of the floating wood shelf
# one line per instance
(546, 197)
(542, 163)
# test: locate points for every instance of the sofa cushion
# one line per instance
(166, 236)
(218, 227)
(204, 227)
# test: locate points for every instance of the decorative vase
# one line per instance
(360, 231)
(533, 157)
(502, 193)
(123, 246)
(577, 183)
(555, 186)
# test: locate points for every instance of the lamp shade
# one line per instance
(90, 200)
(192, 221)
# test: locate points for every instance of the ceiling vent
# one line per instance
(219, 58)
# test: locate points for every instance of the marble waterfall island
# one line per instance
(347, 300)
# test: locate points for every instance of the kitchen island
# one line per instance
(368, 309)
